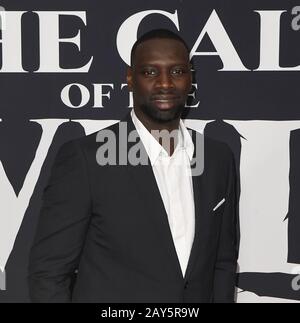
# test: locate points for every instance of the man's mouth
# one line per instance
(165, 98)
(165, 102)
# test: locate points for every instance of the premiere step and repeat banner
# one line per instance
(62, 76)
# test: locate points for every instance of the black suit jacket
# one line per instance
(109, 224)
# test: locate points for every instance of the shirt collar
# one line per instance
(187, 140)
(153, 147)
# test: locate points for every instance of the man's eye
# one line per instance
(178, 71)
(149, 72)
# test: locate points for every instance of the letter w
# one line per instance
(13, 207)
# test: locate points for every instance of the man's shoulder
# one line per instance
(92, 138)
(91, 141)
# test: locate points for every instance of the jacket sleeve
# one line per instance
(62, 227)
(227, 256)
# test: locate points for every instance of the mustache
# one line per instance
(165, 94)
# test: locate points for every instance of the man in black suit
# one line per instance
(159, 231)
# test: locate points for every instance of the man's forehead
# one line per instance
(161, 49)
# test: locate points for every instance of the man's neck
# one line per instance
(152, 125)
(156, 130)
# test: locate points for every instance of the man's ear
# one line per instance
(129, 78)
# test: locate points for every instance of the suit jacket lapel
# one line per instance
(197, 186)
(148, 190)
(199, 199)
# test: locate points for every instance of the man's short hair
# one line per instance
(156, 34)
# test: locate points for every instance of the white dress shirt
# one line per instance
(174, 180)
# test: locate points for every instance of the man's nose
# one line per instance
(165, 81)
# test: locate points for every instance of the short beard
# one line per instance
(162, 116)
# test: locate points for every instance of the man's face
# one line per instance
(160, 79)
